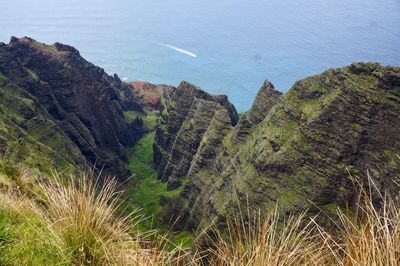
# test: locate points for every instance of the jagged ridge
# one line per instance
(185, 116)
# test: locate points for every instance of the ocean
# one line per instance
(224, 46)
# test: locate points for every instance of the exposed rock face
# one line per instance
(185, 117)
(83, 101)
(296, 150)
(149, 93)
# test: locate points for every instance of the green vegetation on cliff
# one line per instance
(55, 102)
(149, 118)
(294, 150)
(29, 136)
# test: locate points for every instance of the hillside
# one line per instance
(295, 150)
(55, 98)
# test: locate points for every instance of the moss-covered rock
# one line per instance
(266, 98)
(186, 113)
(300, 148)
(29, 136)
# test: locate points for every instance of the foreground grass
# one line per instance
(269, 241)
(367, 234)
(369, 237)
(77, 222)
(24, 235)
(74, 222)
(87, 223)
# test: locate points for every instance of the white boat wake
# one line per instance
(179, 50)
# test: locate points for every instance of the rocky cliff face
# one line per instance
(185, 115)
(78, 99)
(296, 150)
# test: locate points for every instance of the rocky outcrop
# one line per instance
(266, 98)
(150, 94)
(295, 150)
(82, 101)
(186, 114)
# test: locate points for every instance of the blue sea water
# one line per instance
(225, 46)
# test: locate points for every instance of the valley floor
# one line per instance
(144, 189)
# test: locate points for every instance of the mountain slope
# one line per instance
(29, 136)
(78, 99)
(299, 150)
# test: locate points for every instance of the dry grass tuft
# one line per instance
(367, 234)
(268, 241)
(370, 235)
(84, 217)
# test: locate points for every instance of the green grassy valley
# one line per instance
(144, 189)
